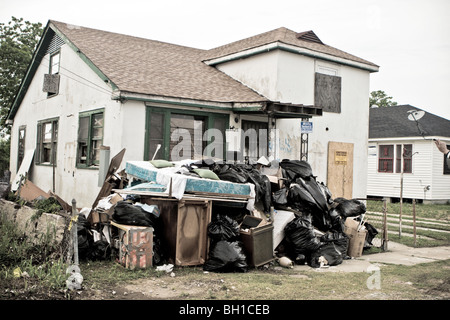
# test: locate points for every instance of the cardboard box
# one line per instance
(357, 237)
(135, 246)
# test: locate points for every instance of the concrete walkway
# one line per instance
(397, 254)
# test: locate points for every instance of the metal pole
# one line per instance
(414, 220)
(74, 232)
(385, 231)
(401, 205)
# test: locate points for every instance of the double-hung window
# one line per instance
(395, 156)
(386, 158)
(51, 81)
(90, 138)
(47, 136)
(403, 158)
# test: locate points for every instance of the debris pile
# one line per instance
(197, 213)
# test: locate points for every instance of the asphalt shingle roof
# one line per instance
(283, 35)
(152, 67)
(392, 122)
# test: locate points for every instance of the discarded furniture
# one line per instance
(184, 228)
(257, 240)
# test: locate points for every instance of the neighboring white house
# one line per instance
(426, 175)
(86, 88)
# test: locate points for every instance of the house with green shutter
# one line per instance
(86, 89)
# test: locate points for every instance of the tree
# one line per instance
(381, 99)
(18, 40)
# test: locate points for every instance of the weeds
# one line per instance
(33, 262)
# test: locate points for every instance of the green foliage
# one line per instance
(381, 99)
(18, 39)
(4, 155)
(50, 205)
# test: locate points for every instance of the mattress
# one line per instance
(181, 183)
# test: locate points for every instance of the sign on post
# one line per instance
(306, 127)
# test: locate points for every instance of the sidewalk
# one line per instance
(396, 254)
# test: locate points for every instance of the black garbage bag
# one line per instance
(226, 256)
(228, 173)
(371, 233)
(294, 168)
(301, 198)
(127, 213)
(350, 208)
(263, 188)
(84, 237)
(279, 197)
(326, 192)
(337, 222)
(100, 250)
(223, 228)
(300, 237)
(333, 249)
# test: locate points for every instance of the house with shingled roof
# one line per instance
(88, 89)
(403, 160)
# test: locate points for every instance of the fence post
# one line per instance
(74, 232)
(385, 231)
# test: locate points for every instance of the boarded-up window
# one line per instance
(327, 92)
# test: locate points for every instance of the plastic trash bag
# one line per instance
(127, 213)
(100, 250)
(279, 197)
(296, 168)
(299, 235)
(225, 256)
(332, 251)
(84, 237)
(350, 208)
(223, 228)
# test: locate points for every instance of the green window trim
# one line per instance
(47, 141)
(89, 138)
(164, 114)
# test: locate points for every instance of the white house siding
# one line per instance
(440, 184)
(288, 77)
(427, 170)
(91, 93)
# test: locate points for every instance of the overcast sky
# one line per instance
(408, 39)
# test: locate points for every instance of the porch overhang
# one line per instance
(282, 110)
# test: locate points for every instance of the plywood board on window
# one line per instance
(340, 169)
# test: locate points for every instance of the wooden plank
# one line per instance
(340, 169)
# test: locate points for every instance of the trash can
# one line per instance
(257, 241)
